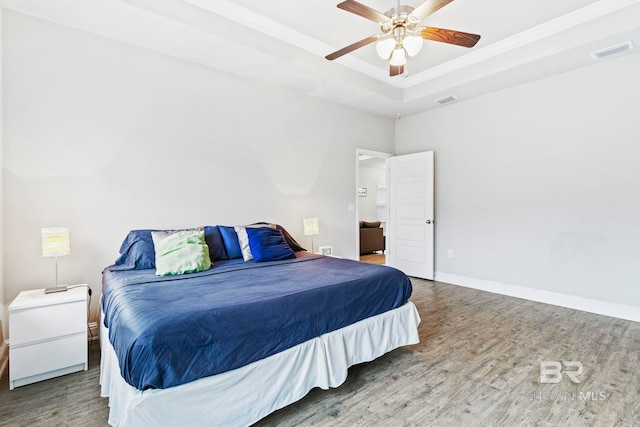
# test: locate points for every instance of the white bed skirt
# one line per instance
(245, 395)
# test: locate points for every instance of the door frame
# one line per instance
(372, 153)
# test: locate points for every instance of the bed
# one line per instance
(240, 339)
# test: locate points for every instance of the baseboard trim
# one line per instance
(621, 311)
(4, 356)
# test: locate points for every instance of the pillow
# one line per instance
(268, 244)
(243, 239)
(136, 252)
(179, 252)
(295, 246)
(230, 241)
(372, 224)
(213, 238)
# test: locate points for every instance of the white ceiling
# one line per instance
(283, 42)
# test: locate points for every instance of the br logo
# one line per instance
(551, 371)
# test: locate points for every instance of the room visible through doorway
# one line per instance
(372, 206)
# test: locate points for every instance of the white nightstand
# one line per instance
(47, 335)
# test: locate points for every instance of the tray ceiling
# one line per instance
(283, 42)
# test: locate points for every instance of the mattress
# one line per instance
(242, 396)
(170, 331)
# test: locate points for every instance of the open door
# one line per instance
(411, 222)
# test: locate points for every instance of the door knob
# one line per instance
(428, 221)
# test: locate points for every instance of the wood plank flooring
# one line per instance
(477, 364)
(373, 258)
(70, 400)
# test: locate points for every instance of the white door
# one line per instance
(410, 228)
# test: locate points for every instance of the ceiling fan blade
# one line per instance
(448, 36)
(396, 70)
(427, 8)
(351, 47)
(364, 11)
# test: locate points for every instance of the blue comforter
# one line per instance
(171, 330)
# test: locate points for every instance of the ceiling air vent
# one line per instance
(620, 47)
(445, 99)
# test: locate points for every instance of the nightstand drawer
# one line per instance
(43, 323)
(48, 356)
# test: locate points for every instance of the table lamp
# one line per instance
(311, 229)
(55, 243)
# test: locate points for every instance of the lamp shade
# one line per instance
(412, 45)
(55, 241)
(384, 47)
(398, 57)
(310, 226)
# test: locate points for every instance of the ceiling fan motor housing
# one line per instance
(400, 17)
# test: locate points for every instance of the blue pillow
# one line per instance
(268, 244)
(295, 246)
(216, 245)
(230, 240)
(136, 252)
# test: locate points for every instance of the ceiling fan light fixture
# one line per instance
(398, 57)
(412, 45)
(384, 47)
(401, 37)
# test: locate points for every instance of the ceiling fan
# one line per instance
(401, 37)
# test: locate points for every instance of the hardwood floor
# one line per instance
(70, 400)
(477, 364)
(373, 258)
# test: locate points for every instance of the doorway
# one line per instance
(403, 211)
(371, 206)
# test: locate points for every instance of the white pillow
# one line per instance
(243, 238)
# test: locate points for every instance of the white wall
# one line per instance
(370, 178)
(104, 137)
(2, 304)
(538, 186)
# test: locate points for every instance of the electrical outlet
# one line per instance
(450, 253)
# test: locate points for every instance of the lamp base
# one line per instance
(61, 288)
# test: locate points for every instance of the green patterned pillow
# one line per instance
(180, 251)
